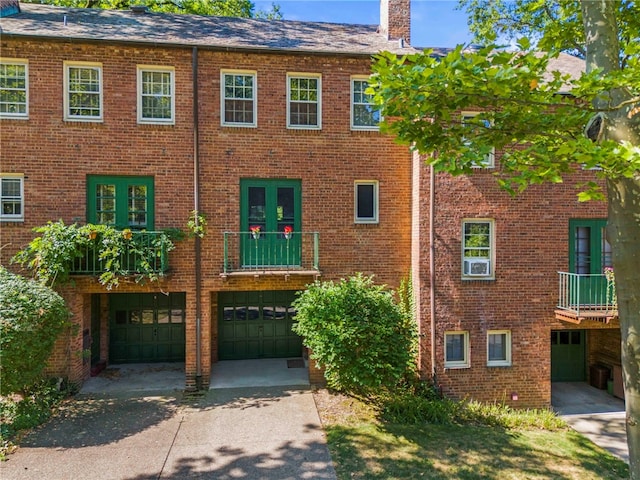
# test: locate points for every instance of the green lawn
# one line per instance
(362, 446)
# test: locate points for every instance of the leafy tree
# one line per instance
(357, 332)
(543, 115)
(31, 318)
(223, 8)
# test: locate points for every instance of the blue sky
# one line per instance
(434, 23)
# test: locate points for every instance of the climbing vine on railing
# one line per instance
(54, 255)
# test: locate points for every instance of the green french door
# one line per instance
(568, 362)
(146, 327)
(121, 201)
(271, 219)
(589, 254)
(257, 325)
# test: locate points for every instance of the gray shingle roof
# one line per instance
(191, 30)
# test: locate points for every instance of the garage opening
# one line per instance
(147, 327)
(257, 325)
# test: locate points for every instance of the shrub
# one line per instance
(357, 332)
(31, 318)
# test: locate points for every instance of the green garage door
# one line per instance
(146, 327)
(257, 325)
(568, 356)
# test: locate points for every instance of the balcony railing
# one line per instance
(271, 252)
(586, 296)
(145, 252)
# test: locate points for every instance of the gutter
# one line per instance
(432, 270)
(196, 207)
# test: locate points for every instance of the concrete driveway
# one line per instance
(594, 413)
(236, 433)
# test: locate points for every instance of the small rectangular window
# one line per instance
(478, 125)
(83, 92)
(14, 88)
(366, 201)
(12, 198)
(456, 350)
(365, 115)
(304, 94)
(156, 98)
(498, 348)
(239, 105)
(477, 249)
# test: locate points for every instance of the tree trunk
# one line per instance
(623, 230)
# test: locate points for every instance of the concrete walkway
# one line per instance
(594, 413)
(107, 433)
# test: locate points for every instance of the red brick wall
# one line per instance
(531, 246)
(56, 156)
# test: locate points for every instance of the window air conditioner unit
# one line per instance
(477, 267)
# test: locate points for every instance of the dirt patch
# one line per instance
(338, 408)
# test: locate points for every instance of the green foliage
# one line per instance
(31, 409)
(32, 316)
(60, 248)
(357, 332)
(222, 8)
(197, 224)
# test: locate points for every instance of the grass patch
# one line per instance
(402, 438)
(19, 413)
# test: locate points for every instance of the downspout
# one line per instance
(196, 207)
(432, 270)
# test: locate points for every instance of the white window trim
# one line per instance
(374, 128)
(252, 73)
(490, 159)
(14, 218)
(466, 362)
(317, 76)
(19, 61)
(156, 68)
(376, 201)
(500, 363)
(79, 118)
(492, 249)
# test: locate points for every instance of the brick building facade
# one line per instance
(265, 124)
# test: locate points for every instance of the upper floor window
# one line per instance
(156, 99)
(365, 115)
(14, 88)
(83, 91)
(120, 201)
(470, 121)
(12, 198)
(478, 249)
(366, 201)
(238, 98)
(304, 93)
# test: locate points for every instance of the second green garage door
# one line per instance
(257, 325)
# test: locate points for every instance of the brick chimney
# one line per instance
(395, 19)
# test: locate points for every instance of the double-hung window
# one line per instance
(365, 115)
(478, 239)
(304, 105)
(14, 88)
(156, 96)
(121, 201)
(83, 91)
(11, 198)
(239, 104)
(498, 348)
(456, 350)
(366, 201)
(471, 121)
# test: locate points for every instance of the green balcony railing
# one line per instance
(587, 294)
(144, 252)
(297, 252)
